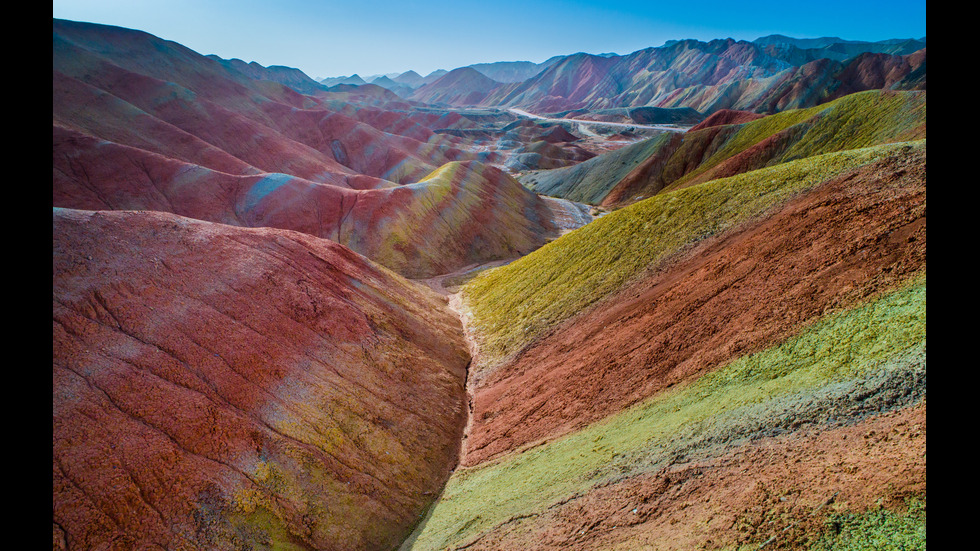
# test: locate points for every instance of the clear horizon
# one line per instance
(330, 39)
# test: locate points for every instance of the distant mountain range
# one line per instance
(766, 75)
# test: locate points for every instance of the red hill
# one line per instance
(463, 86)
(213, 384)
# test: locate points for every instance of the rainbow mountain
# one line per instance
(288, 315)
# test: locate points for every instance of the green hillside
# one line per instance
(515, 304)
(857, 351)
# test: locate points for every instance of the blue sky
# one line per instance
(333, 38)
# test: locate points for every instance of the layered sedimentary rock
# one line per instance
(734, 364)
(217, 387)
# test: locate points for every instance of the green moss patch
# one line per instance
(879, 529)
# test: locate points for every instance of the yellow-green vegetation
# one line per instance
(854, 121)
(458, 214)
(514, 304)
(879, 529)
(866, 340)
(863, 119)
(297, 481)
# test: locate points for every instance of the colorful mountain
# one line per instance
(212, 384)
(714, 75)
(728, 365)
(726, 350)
(459, 87)
(143, 124)
(721, 147)
(472, 212)
(128, 95)
(513, 71)
(294, 78)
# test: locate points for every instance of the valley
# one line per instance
(673, 299)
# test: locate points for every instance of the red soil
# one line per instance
(726, 116)
(493, 215)
(646, 179)
(200, 369)
(782, 489)
(728, 296)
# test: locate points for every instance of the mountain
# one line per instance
(297, 316)
(735, 361)
(726, 147)
(189, 136)
(512, 71)
(226, 378)
(294, 78)
(761, 77)
(354, 80)
(433, 76)
(473, 212)
(462, 86)
(409, 78)
(402, 90)
(799, 51)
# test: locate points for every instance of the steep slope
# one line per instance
(402, 90)
(726, 116)
(142, 123)
(695, 385)
(733, 358)
(462, 213)
(106, 79)
(590, 181)
(289, 76)
(409, 78)
(471, 212)
(512, 71)
(715, 150)
(567, 84)
(799, 51)
(212, 384)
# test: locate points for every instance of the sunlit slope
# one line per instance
(842, 369)
(515, 304)
(460, 214)
(859, 120)
(725, 379)
(669, 162)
